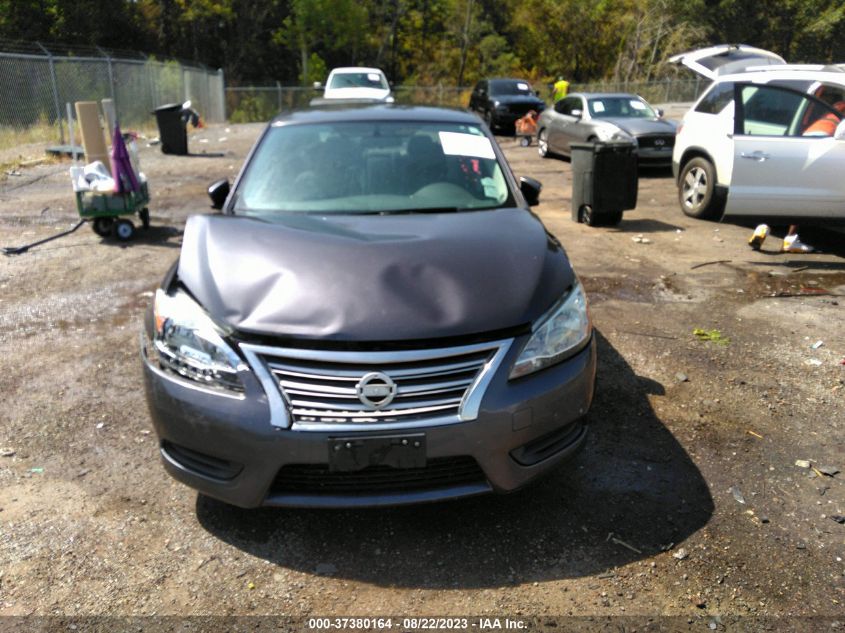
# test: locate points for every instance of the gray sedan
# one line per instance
(592, 117)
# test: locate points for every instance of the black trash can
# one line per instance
(604, 181)
(171, 129)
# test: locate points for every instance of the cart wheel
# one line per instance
(103, 226)
(588, 216)
(123, 230)
(525, 141)
(144, 214)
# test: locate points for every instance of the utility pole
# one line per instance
(465, 43)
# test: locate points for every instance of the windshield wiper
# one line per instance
(419, 210)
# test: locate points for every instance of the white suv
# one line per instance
(766, 139)
(357, 83)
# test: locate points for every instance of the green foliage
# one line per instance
(433, 42)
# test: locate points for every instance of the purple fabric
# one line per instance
(122, 172)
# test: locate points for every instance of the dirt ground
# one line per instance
(687, 500)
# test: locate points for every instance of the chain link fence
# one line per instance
(36, 84)
(658, 91)
(261, 103)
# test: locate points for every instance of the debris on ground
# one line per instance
(639, 239)
(681, 377)
(839, 519)
(7, 452)
(619, 541)
(681, 554)
(757, 435)
(802, 463)
(817, 345)
(737, 494)
(830, 471)
(36, 470)
(813, 362)
(714, 336)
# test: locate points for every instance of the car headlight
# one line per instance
(189, 343)
(557, 335)
(614, 134)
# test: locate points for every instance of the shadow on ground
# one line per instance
(632, 480)
(155, 235)
(645, 225)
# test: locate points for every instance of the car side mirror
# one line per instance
(317, 85)
(218, 191)
(530, 189)
(577, 113)
(839, 134)
(660, 113)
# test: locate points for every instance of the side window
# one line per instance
(716, 100)
(566, 106)
(777, 111)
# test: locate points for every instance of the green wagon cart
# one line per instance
(108, 210)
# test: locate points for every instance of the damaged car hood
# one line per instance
(373, 277)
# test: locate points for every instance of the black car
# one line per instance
(500, 102)
(374, 317)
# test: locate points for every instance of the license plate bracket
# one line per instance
(347, 454)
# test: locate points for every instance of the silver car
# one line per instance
(593, 117)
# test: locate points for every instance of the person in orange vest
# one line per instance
(826, 125)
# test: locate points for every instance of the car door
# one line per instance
(560, 135)
(782, 167)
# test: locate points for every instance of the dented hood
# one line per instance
(371, 277)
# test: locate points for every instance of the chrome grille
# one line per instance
(650, 141)
(319, 389)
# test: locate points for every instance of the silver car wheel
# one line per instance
(543, 144)
(695, 188)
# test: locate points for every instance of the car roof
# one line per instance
(356, 69)
(828, 75)
(374, 112)
(605, 95)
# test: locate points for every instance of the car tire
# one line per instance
(123, 230)
(103, 226)
(543, 144)
(697, 190)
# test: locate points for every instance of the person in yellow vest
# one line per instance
(561, 88)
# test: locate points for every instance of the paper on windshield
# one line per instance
(598, 106)
(522, 86)
(457, 144)
(373, 76)
(637, 105)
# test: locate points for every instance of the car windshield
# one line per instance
(614, 107)
(372, 167)
(510, 87)
(358, 80)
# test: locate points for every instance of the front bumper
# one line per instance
(655, 157)
(226, 448)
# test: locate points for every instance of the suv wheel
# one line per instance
(697, 190)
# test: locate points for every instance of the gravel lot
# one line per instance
(686, 501)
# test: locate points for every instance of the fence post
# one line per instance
(111, 75)
(55, 92)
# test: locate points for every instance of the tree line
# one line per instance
(452, 42)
